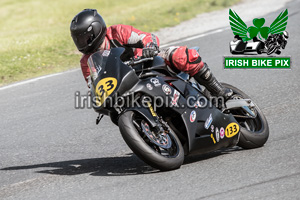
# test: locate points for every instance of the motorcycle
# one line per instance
(182, 121)
(276, 42)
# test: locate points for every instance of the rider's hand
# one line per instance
(150, 50)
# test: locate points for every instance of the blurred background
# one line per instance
(35, 38)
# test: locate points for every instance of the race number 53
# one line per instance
(104, 88)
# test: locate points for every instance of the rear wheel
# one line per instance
(254, 130)
(160, 149)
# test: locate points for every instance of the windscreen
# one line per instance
(96, 63)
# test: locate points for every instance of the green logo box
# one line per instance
(231, 62)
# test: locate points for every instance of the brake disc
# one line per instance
(161, 139)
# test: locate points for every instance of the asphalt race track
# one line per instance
(49, 150)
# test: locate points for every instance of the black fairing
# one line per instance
(158, 62)
(109, 64)
(199, 138)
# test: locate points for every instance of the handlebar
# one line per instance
(140, 60)
(137, 61)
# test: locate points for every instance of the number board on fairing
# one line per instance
(232, 129)
(104, 88)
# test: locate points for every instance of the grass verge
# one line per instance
(35, 38)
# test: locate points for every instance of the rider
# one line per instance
(90, 34)
(281, 39)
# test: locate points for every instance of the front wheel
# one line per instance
(254, 131)
(159, 148)
(271, 49)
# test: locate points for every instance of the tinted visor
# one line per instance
(82, 40)
(86, 38)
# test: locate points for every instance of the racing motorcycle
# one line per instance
(182, 121)
(276, 42)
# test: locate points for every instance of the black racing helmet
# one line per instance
(88, 30)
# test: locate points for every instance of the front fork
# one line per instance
(159, 128)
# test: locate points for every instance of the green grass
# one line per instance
(35, 38)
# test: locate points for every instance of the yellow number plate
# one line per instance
(232, 129)
(104, 88)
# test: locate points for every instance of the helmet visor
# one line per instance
(84, 39)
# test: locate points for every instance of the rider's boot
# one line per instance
(207, 79)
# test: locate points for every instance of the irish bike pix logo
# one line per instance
(258, 46)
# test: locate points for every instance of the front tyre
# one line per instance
(159, 149)
(271, 49)
(254, 131)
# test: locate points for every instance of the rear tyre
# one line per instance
(161, 150)
(254, 132)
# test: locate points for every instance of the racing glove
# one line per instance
(150, 51)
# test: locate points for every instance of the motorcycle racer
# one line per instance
(280, 39)
(89, 33)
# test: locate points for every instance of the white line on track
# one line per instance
(35, 79)
(193, 37)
